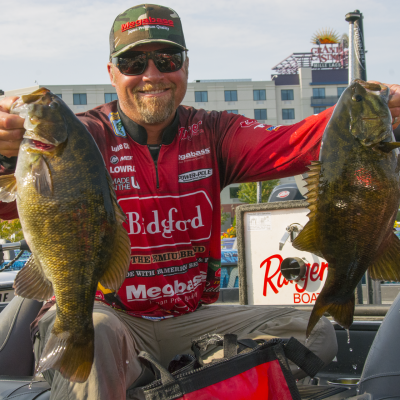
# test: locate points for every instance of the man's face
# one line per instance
(152, 97)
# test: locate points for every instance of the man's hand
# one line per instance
(11, 128)
(394, 102)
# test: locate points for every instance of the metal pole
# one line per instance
(259, 192)
(350, 18)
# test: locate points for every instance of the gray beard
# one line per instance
(155, 111)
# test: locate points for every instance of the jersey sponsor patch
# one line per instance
(196, 175)
(160, 222)
(125, 183)
(114, 160)
(116, 124)
(194, 154)
(122, 168)
(273, 128)
(120, 147)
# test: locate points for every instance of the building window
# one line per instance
(230, 95)
(201, 97)
(80, 99)
(317, 110)
(260, 114)
(232, 111)
(59, 95)
(108, 97)
(318, 93)
(259, 94)
(288, 113)
(340, 90)
(233, 192)
(287, 94)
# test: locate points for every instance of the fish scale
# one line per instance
(72, 224)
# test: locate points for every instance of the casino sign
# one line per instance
(330, 52)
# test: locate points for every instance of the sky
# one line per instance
(66, 42)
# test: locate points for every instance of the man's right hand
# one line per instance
(11, 128)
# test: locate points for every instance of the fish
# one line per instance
(72, 223)
(353, 196)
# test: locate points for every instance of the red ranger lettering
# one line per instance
(275, 280)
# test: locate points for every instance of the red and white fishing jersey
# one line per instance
(172, 202)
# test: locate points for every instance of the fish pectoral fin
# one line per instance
(8, 188)
(386, 267)
(306, 239)
(32, 283)
(118, 266)
(387, 147)
(41, 173)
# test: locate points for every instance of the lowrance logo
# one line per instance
(142, 292)
(195, 175)
(122, 168)
(194, 154)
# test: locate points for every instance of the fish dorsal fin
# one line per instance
(8, 188)
(307, 238)
(118, 266)
(41, 173)
(32, 283)
(386, 267)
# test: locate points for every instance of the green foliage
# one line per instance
(248, 191)
(224, 216)
(8, 228)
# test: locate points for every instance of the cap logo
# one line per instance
(146, 21)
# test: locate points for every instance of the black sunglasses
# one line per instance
(135, 62)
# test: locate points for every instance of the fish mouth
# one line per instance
(41, 145)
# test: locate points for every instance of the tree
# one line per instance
(11, 230)
(248, 191)
(224, 216)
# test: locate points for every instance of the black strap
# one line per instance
(230, 345)
(303, 357)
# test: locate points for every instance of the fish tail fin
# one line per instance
(72, 357)
(342, 313)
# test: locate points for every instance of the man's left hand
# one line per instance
(394, 102)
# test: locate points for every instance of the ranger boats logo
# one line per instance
(195, 175)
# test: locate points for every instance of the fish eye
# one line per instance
(53, 105)
(357, 98)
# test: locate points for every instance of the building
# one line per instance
(304, 84)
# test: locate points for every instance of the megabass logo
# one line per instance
(194, 154)
(142, 292)
(146, 21)
(161, 221)
(195, 175)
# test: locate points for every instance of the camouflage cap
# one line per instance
(146, 23)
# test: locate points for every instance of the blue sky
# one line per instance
(66, 42)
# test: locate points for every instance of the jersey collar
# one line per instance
(138, 133)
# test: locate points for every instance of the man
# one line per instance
(172, 203)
